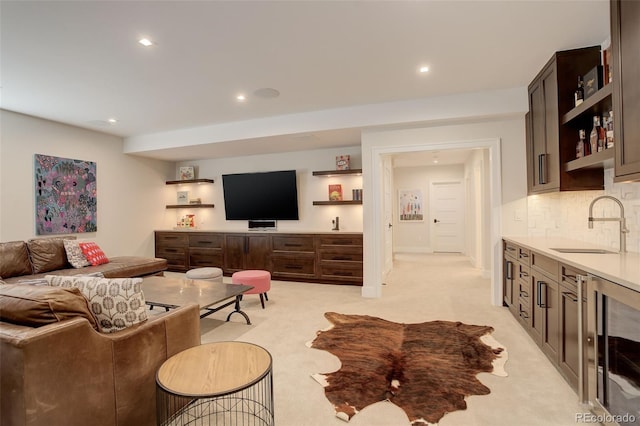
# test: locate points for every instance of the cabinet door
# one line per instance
(508, 277)
(625, 33)
(257, 254)
(569, 354)
(234, 248)
(550, 301)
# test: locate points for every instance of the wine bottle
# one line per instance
(579, 93)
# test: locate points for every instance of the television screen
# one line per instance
(261, 196)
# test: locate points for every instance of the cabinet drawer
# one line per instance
(176, 258)
(524, 290)
(292, 243)
(206, 240)
(522, 271)
(203, 257)
(352, 254)
(569, 278)
(510, 249)
(545, 264)
(524, 256)
(166, 252)
(172, 239)
(351, 270)
(335, 240)
(291, 265)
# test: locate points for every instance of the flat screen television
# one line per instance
(261, 196)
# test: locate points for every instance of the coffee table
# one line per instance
(210, 296)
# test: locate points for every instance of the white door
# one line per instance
(388, 218)
(447, 216)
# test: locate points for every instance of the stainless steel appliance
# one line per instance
(613, 352)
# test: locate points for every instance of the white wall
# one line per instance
(130, 189)
(564, 214)
(415, 237)
(310, 188)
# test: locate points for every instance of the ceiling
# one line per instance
(79, 62)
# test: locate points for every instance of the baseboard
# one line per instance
(400, 250)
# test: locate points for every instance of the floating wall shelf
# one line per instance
(180, 182)
(190, 206)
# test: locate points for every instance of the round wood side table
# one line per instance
(222, 383)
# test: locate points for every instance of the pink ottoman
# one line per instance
(260, 280)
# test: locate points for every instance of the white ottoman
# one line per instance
(207, 274)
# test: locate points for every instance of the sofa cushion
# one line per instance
(117, 303)
(36, 306)
(93, 253)
(47, 254)
(14, 259)
(75, 256)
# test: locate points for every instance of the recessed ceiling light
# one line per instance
(424, 69)
(112, 121)
(241, 98)
(145, 42)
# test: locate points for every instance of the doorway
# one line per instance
(374, 224)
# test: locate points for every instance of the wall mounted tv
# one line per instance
(261, 196)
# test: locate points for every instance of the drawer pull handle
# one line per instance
(524, 315)
(523, 274)
(570, 296)
(542, 303)
(511, 248)
(524, 255)
(542, 169)
(524, 293)
(509, 270)
(341, 258)
(292, 245)
(171, 250)
(297, 267)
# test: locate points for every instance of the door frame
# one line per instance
(373, 220)
(432, 225)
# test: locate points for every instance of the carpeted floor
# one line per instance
(420, 288)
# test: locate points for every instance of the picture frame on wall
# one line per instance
(187, 173)
(411, 205)
(183, 197)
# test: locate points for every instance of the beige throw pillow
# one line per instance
(74, 254)
(117, 303)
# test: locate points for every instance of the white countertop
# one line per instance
(623, 269)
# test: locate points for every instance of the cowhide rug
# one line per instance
(426, 369)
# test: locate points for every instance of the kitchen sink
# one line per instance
(582, 250)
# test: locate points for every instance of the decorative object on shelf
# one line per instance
(592, 81)
(195, 201)
(335, 192)
(187, 173)
(343, 162)
(183, 197)
(597, 137)
(606, 65)
(411, 205)
(66, 200)
(357, 194)
(187, 221)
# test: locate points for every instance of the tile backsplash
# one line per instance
(564, 214)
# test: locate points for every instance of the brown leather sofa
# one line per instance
(65, 373)
(26, 260)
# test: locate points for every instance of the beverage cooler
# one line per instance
(612, 350)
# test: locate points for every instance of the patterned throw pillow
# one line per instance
(117, 303)
(93, 253)
(74, 254)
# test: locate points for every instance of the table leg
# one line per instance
(238, 310)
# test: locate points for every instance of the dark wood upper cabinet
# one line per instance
(625, 34)
(551, 142)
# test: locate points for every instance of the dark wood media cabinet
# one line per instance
(332, 258)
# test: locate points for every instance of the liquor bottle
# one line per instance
(579, 93)
(597, 136)
(580, 146)
(609, 129)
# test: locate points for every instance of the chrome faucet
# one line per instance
(621, 220)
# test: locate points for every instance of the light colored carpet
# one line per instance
(420, 288)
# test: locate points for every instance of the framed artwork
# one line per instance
(65, 195)
(411, 205)
(183, 197)
(187, 173)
